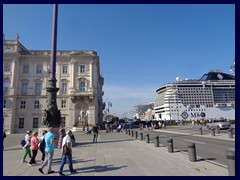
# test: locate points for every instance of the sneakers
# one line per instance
(29, 164)
(50, 172)
(61, 174)
(23, 161)
(74, 171)
(40, 170)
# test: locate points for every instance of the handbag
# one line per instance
(66, 150)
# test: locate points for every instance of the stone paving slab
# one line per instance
(116, 154)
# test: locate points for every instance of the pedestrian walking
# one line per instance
(61, 134)
(67, 141)
(34, 148)
(4, 136)
(95, 133)
(49, 151)
(165, 124)
(193, 124)
(42, 146)
(26, 147)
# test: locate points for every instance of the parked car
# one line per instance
(218, 123)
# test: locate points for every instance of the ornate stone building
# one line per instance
(25, 78)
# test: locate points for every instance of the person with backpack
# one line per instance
(42, 146)
(34, 148)
(26, 147)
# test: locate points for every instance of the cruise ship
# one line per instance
(210, 97)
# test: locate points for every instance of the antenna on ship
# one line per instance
(232, 68)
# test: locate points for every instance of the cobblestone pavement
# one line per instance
(115, 154)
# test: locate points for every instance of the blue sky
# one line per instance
(141, 47)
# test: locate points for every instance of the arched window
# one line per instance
(82, 86)
(6, 85)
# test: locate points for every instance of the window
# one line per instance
(7, 67)
(35, 122)
(24, 88)
(37, 88)
(64, 104)
(23, 104)
(64, 69)
(21, 123)
(82, 69)
(25, 69)
(64, 87)
(6, 85)
(82, 86)
(4, 103)
(39, 69)
(63, 120)
(36, 104)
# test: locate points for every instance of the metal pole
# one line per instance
(200, 131)
(231, 162)
(170, 145)
(192, 152)
(141, 136)
(147, 138)
(230, 133)
(213, 132)
(132, 133)
(136, 134)
(218, 130)
(156, 140)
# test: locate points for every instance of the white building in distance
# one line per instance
(25, 78)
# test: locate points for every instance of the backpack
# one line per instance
(42, 145)
(23, 142)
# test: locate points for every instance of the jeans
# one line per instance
(64, 157)
(95, 136)
(48, 160)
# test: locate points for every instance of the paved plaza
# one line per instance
(115, 154)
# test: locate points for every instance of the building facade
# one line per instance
(25, 79)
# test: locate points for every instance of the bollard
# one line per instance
(141, 136)
(170, 145)
(126, 131)
(218, 130)
(213, 132)
(129, 132)
(231, 162)
(132, 133)
(200, 130)
(136, 134)
(230, 133)
(192, 152)
(147, 138)
(156, 141)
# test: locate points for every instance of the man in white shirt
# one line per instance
(68, 142)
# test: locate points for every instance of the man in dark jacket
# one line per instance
(95, 133)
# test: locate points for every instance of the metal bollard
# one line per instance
(192, 152)
(126, 131)
(231, 162)
(136, 134)
(230, 133)
(129, 132)
(170, 145)
(213, 132)
(147, 138)
(141, 136)
(156, 141)
(132, 133)
(200, 130)
(218, 130)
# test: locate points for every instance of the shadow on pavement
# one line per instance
(101, 141)
(98, 169)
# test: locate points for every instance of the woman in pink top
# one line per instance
(34, 148)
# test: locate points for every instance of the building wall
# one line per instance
(71, 102)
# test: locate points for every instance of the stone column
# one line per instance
(91, 75)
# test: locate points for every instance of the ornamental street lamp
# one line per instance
(52, 115)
